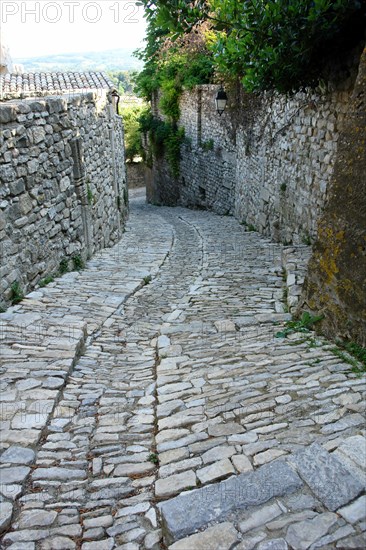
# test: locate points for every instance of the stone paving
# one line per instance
(147, 403)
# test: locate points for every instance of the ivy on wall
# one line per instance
(170, 67)
(165, 138)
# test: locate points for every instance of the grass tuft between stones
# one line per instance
(305, 324)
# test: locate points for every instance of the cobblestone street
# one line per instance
(147, 403)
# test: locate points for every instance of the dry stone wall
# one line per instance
(286, 150)
(267, 160)
(209, 154)
(62, 184)
(207, 166)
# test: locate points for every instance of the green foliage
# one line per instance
(64, 266)
(171, 66)
(46, 281)
(131, 116)
(169, 102)
(78, 262)
(147, 279)
(306, 239)
(208, 145)
(173, 147)
(148, 79)
(352, 354)
(357, 351)
(251, 227)
(279, 44)
(305, 324)
(166, 138)
(268, 44)
(17, 294)
(345, 357)
(123, 80)
(89, 194)
(153, 457)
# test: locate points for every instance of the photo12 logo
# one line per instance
(121, 11)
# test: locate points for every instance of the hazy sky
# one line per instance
(32, 28)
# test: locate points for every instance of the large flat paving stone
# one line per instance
(185, 513)
(303, 534)
(329, 480)
(222, 536)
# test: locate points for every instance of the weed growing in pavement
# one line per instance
(64, 266)
(46, 281)
(17, 294)
(153, 457)
(251, 227)
(306, 239)
(78, 262)
(305, 324)
(147, 279)
(353, 354)
(248, 226)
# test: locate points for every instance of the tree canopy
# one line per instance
(282, 45)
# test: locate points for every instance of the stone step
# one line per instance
(184, 514)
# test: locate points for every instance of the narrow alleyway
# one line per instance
(146, 399)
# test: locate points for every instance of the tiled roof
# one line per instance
(13, 86)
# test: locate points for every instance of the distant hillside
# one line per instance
(108, 60)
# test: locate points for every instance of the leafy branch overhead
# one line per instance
(282, 45)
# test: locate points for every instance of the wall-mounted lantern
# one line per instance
(115, 99)
(221, 100)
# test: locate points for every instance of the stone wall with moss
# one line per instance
(336, 282)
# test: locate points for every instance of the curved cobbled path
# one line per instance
(146, 403)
